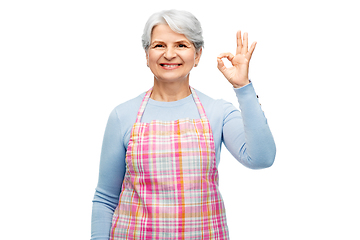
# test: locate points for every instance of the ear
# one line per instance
(147, 57)
(197, 56)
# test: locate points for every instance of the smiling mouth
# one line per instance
(170, 65)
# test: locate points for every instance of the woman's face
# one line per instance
(171, 55)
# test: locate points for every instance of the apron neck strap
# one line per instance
(147, 96)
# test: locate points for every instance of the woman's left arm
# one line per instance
(246, 134)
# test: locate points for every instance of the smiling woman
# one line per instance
(158, 170)
(171, 56)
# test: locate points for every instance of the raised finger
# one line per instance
(239, 42)
(244, 48)
(251, 50)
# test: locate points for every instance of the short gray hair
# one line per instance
(182, 22)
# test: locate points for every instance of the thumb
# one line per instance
(221, 66)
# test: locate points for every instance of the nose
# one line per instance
(169, 53)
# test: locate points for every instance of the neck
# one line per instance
(170, 91)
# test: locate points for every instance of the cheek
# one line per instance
(153, 57)
(150, 58)
(189, 58)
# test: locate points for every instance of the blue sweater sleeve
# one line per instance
(246, 134)
(111, 175)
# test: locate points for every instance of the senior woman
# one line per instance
(158, 169)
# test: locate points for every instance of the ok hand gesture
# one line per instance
(237, 75)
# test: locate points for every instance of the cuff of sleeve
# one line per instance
(246, 95)
(248, 89)
(243, 86)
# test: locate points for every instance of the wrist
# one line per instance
(241, 85)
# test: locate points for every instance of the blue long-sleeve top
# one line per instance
(245, 134)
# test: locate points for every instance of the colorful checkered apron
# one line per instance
(170, 188)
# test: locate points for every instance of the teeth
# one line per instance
(165, 65)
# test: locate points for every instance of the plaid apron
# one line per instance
(170, 188)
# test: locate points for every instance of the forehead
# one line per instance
(163, 32)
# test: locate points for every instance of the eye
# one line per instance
(182, 46)
(158, 46)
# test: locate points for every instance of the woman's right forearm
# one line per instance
(102, 211)
(111, 175)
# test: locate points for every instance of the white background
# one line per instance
(64, 65)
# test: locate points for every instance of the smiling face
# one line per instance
(171, 55)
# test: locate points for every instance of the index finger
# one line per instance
(239, 42)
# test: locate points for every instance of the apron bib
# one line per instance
(170, 188)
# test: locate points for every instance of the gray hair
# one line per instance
(182, 22)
